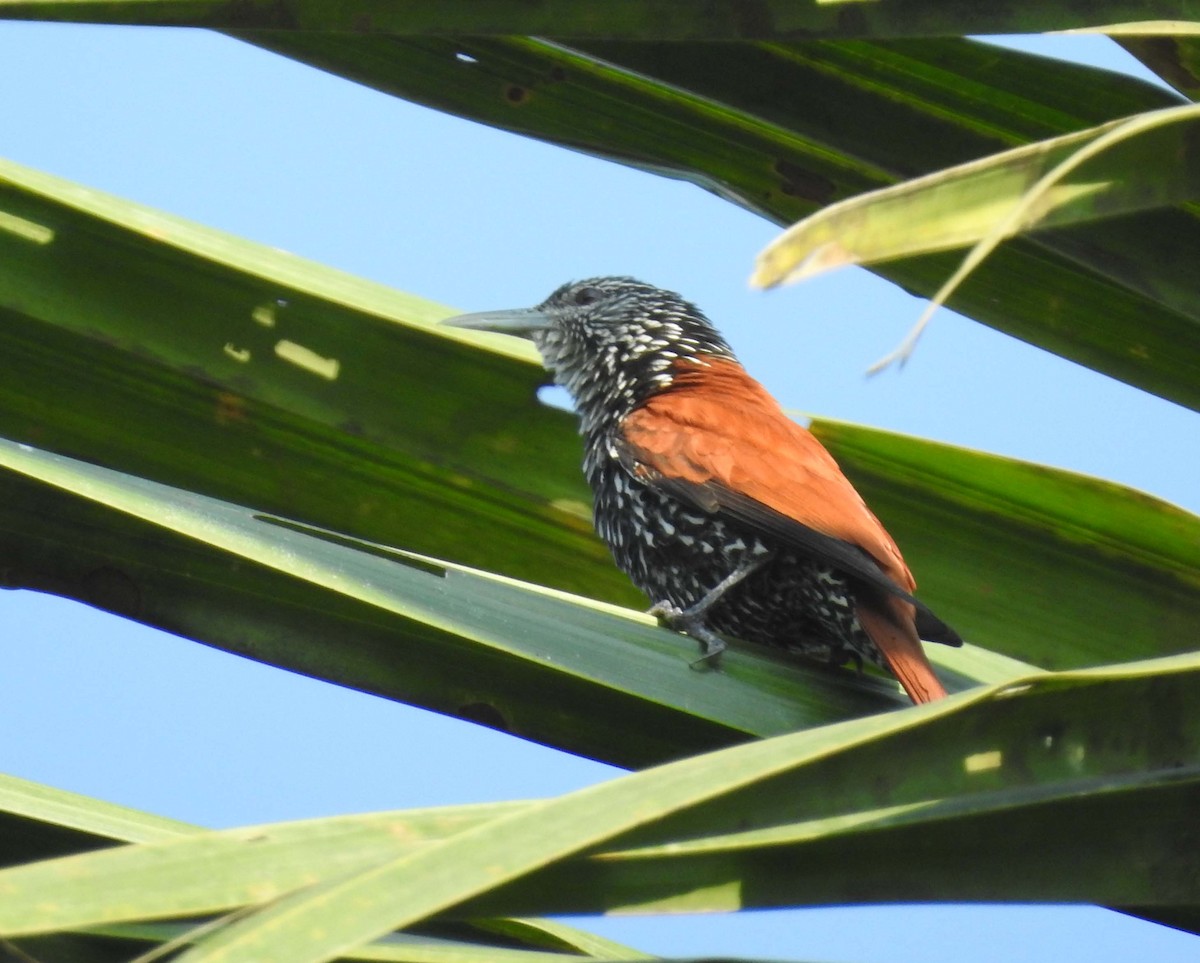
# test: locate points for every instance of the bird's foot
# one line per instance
(712, 645)
(691, 619)
(691, 622)
(666, 612)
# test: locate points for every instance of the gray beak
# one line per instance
(519, 322)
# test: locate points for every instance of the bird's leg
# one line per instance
(691, 619)
(698, 610)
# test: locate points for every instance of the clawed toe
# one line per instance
(711, 644)
(691, 622)
(711, 659)
(667, 613)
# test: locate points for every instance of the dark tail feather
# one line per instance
(932, 629)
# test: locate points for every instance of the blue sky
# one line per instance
(211, 129)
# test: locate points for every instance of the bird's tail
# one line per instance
(889, 622)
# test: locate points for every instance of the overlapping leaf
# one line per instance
(1032, 553)
(175, 352)
(584, 676)
(1106, 294)
(56, 822)
(954, 208)
(1103, 294)
(1071, 761)
(626, 19)
(576, 674)
(1127, 165)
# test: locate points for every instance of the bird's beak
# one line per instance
(519, 322)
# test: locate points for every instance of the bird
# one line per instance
(731, 517)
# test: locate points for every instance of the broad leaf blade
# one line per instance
(1033, 554)
(129, 941)
(1027, 793)
(33, 815)
(551, 667)
(526, 659)
(39, 822)
(179, 353)
(956, 207)
(959, 781)
(626, 19)
(201, 873)
(1114, 295)
(1030, 790)
(30, 800)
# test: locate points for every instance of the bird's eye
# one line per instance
(585, 296)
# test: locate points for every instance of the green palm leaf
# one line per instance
(412, 507)
(972, 783)
(626, 19)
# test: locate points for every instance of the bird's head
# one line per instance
(612, 341)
